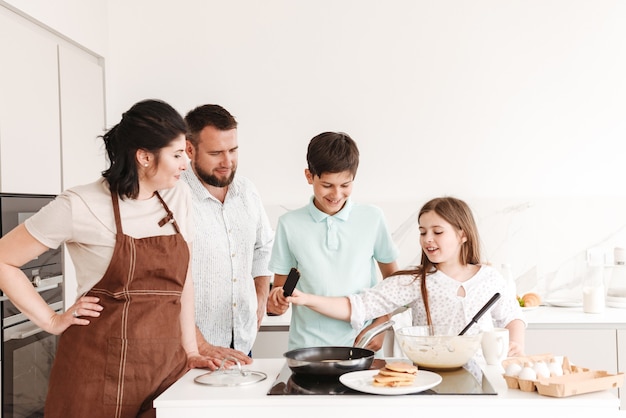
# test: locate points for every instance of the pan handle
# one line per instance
(367, 337)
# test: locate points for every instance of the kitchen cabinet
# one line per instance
(52, 112)
(30, 148)
(273, 336)
(621, 363)
(270, 343)
(81, 86)
(575, 344)
(594, 341)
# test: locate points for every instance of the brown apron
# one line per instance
(119, 363)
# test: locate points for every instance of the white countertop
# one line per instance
(190, 400)
(550, 317)
(276, 323)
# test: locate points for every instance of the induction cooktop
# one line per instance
(467, 380)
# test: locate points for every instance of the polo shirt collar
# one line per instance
(320, 216)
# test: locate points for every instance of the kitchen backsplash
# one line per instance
(545, 241)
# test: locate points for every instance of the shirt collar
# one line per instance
(320, 216)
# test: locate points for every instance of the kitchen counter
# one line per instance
(550, 317)
(277, 323)
(192, 400)
(596, 341)
(272, 338)
(543, 317)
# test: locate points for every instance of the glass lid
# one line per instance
(230, 377)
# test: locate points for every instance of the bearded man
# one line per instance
(233, 238)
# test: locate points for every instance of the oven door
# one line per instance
(28, 354)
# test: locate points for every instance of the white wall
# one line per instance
(484, 98)
(515, 106)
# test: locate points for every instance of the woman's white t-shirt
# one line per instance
(82, 218)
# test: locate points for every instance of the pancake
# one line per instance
(401, 367)
(385, 379)
(391, 384)
(387, 372)
(395, 374)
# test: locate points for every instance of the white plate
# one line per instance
(362, 381)
(529, 308)
(564, 303)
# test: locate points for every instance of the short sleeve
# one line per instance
(52, 224)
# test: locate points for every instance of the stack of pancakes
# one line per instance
(395, 374)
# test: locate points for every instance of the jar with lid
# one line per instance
(616, 292)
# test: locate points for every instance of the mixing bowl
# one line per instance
(435, 347)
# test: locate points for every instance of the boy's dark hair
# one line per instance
(332, 152)
(208, 115)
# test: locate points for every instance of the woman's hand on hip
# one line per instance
(85, 307)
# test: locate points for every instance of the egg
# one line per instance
(555, 368)
(541, 369)
(528, 373)
(513, 370)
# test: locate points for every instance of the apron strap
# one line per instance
(116, 212)
(169, 217)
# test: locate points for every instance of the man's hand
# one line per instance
(220, 353)
(200, 362)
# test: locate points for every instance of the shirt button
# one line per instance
(234, 279)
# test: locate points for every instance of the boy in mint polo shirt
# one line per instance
(335, 243)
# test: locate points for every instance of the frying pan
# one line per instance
(334, 360)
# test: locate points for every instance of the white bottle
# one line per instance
(593, 285)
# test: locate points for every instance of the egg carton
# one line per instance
(574, 381)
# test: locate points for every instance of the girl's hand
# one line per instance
(77, 314)
(298, 298)
(337, 307)
(515, 349)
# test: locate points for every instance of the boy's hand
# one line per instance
(276, 302)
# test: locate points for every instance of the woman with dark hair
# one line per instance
(131, 332)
